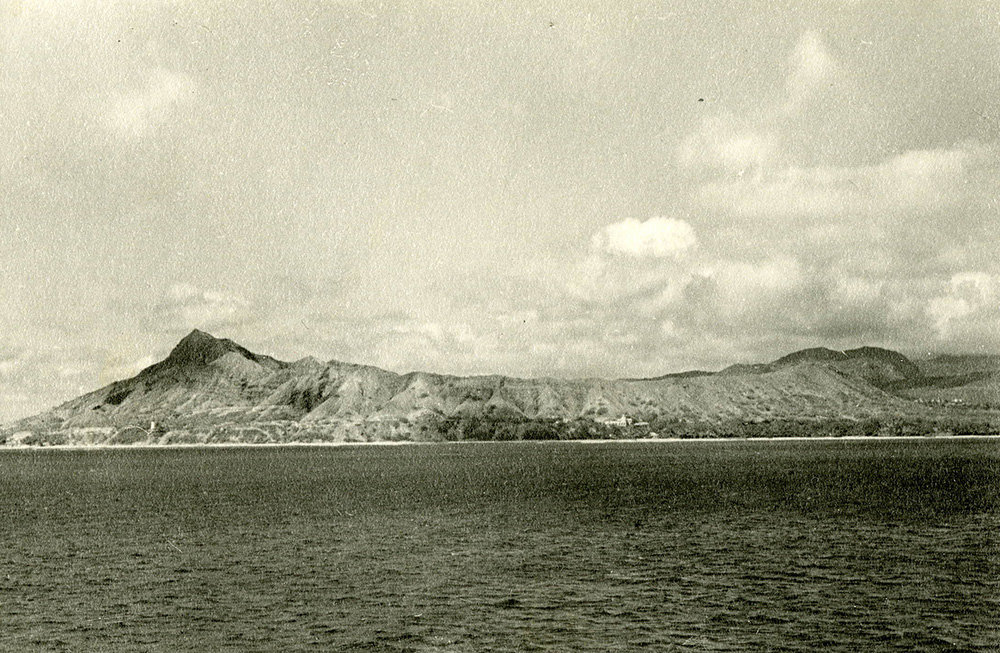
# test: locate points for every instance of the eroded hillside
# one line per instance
(214, 390)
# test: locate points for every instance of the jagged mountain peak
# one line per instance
(199, 347)
(196, 339)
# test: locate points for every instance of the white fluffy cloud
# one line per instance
(790, 160)
(966, 298)
(655, 238)
(825, 236)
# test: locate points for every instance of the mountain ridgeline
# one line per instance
(211, 390)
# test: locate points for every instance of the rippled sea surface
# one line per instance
(662, 546)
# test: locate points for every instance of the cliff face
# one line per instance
(211, 389)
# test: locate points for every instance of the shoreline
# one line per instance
(388, 443)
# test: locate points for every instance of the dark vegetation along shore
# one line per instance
(211, 390)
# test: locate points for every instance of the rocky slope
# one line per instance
(214, 390)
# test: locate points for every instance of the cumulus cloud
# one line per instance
(967, 296)
(872, 232)
(773, 166)
(655, 238)
(139, 112)
(713, 308)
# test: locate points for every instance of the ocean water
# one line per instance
(554, 546)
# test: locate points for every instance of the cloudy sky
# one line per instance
(536, 189)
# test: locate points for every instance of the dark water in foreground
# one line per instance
(689, 546)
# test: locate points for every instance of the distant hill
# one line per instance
(214, 390)
(968, 381)
(880, 367)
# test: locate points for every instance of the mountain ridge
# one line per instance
(213, 389)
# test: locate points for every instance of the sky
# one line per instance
(559, 189)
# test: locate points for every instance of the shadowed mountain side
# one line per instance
(969, 381)
(214, 386)
(883, 368)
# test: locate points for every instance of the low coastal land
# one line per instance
(138, 446)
